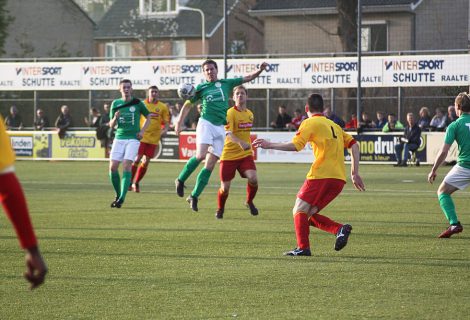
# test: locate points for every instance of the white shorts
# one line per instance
(458, 177)
(124, 149)
(208, 133)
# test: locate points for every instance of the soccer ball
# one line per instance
(186, 91)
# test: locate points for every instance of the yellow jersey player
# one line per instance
(237, 154)
(14, 203)
(326, 177)
(160, 115)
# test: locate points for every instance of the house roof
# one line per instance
(122, 21)
(282, 7)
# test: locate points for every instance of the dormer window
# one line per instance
(158, 7)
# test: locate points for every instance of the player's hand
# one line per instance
(260, 143)
(140, 135)
(432, 176)
(357, 182)
(178, 129)
(116, 115)
(36, 268)
(263, 66)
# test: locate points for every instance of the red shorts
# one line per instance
(320, 192)
(147, 149)
(229, 167)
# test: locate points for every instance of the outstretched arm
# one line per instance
(256, 74)
(441, 156)
(265, 144)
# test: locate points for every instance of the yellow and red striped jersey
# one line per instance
(328, 141)
(159, 115)
(240, 124)
(7, 156)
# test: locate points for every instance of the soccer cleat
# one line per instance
(116, 203)
(342, 236)
(298, 252)
(192, 202)
(253, 209)
(135, 187)
(453, 229)
(219, 214)
(179, 188)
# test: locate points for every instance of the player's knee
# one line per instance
(224, 189)
(253, 181)
(301, 206)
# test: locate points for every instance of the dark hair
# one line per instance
(210, 61)
(463, 100)
(125, 81)
(152, 88)
(315, 103)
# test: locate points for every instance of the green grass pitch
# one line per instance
(156, 259)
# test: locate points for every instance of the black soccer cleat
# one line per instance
(253, 209)
(192, 202)
(298, 252)
(219, 214)
(342, 236)
(116, 203)
(179, 187)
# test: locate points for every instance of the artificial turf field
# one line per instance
(156, 259)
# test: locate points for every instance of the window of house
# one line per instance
(156, 7)
(374, 36)
(117, 50)
(178, 48)
(237, 47)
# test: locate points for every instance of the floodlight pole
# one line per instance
(225, 38)
(359, 44)
(203, 26)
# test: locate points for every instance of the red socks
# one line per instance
(325, 223)
(302, 231)
(221, 199)
(14, 202)
(134, 170)
(251, 192)
(140, 173)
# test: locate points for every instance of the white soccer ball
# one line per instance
(186, 91)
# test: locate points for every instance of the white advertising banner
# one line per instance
(308, 73)
(269, 155)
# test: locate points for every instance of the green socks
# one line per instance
(125, 183)
(116, 181)
(189, 168)
(447, 205)
(201, 182)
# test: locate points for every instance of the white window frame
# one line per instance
(143, 4)
(366, 33)
(111, 50)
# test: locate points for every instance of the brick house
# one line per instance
(303, 26)
(140, 28)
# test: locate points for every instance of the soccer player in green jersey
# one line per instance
(125, 112)
(458, 177)
(215, 95)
